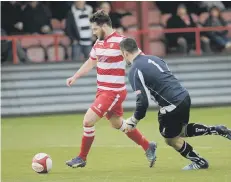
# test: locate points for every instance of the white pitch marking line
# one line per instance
(123, 146)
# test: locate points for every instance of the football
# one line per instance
(41, 163)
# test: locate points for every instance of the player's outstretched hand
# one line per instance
(70, 81)
(131, 123)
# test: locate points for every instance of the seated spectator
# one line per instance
(78, 28)
(115, 16)
(207, 5)
(218, 38)
(196, 7)
(36, 18)
(7, 52)
(185, 42)
(11, 21)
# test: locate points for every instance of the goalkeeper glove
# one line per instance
(131, 123)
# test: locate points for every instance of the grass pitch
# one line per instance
(113, 158)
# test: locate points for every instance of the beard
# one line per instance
(102, 35)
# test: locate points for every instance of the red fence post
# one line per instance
(56, 48)
(145, 26)
(198, 42)
(14, 50)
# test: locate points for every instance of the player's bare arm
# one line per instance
(84, 69)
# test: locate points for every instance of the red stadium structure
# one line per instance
(57, 38)
(146, 25)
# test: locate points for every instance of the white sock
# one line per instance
(123, 126)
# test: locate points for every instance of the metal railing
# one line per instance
(56, 37)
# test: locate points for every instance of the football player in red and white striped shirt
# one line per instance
(111, 91)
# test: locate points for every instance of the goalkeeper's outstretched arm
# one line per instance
(142, 102)
(136, 80)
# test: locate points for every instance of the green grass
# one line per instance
(113, 158)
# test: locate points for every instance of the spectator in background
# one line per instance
(115, 16)
(36, 18)
(59, 9)
(196, 7)
(12, 17)
(207, 5)
(185, 42)
(219, 38)
(7, 53)
(78, 28)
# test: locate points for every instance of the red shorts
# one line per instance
(108, 103)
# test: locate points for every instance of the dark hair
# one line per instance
(129, 45)
(217, 8)
(181, 6)
(104, 2)
(100, 18)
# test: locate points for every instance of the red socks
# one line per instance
(138, 138)
(89, 135)
(87, 140)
